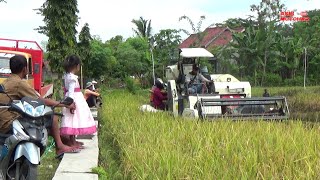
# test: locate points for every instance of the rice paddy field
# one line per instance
(136, 145)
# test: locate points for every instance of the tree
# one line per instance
(84, 49)
(60, 18)
(166, 42)
(309, 33)
(102, 62)
(267, 21)
(256, 48)
(143, 28)
(134, 59)
(114, 43)
(233, 23)
(195, 29)
(244, 45)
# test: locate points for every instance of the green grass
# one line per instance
(49, 163)
(136, 145)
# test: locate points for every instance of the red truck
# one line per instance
(34, 55)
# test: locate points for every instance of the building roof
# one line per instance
(213, 36)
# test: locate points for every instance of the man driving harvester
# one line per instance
(195, 81)
(17, 88)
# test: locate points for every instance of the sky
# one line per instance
(108, 18)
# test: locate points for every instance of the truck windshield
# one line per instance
(4, 65)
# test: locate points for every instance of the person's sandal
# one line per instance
(60, 155)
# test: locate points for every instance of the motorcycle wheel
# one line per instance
(28, 171)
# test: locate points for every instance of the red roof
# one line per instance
(213, 36)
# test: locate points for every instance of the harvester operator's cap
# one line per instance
(89, 84)
(159, 84)
(160, 80)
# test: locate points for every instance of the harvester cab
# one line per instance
(226, 96)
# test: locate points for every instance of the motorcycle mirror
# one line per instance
(67, 101)
(2, 88)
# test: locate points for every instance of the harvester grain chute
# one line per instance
(226, 97)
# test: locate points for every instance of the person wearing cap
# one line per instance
(93, 84)
(90, 95)
(266, 94)
(195, 81)
(159, 96)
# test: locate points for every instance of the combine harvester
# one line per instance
(227, 97)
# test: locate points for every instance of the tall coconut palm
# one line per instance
(143, 27)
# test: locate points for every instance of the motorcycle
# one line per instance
(21, 150)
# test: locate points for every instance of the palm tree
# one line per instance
(195, 28)
(143, 27)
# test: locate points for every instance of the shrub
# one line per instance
(272, 80)
(131, 86)
(298, 81)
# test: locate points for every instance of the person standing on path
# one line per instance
(79, 122)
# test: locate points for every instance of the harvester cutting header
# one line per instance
(193, 92)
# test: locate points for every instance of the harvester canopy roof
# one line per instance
(195, 52)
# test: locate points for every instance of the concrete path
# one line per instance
(77, 166)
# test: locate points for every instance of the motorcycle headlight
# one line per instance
(28, 109)
(39, 110)
(34, 112)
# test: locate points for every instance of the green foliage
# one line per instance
(60, 18)
(143, 28)
(309, 35)
(114, 43)
(118, 59)
(266, 47)
(102, 62)
(101, 172)
(273, 80)
(232, 23)
(134, 59)
(269, 47)
(84, 50)
(167, 41)
(298, 81)
(130, 85)
(49, 163)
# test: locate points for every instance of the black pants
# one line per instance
(92, 100)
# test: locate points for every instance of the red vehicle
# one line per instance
(34, 55)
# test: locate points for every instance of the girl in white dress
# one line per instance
(79, 122)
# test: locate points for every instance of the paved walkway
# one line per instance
(78, 166)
